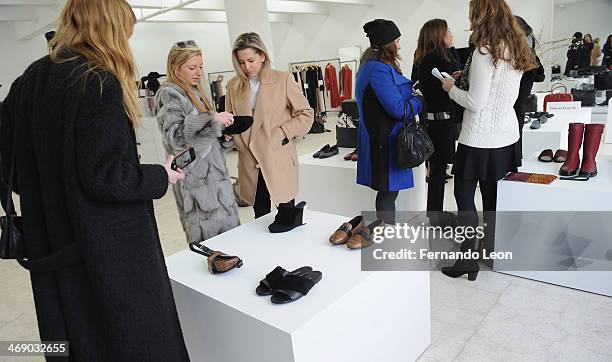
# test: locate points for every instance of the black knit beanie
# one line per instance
(381, 32)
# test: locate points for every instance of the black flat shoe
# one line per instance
(294, 287)
(323, 149)
(331, 152)
(269, 284)
(241, 124)
(288, 218)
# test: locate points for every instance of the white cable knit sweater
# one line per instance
(489, 120)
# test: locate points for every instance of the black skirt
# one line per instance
(485, 164)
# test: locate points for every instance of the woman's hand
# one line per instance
(447, 84)
(173, 176)
(225, 118)
(457, 74)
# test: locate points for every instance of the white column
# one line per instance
(249, 16)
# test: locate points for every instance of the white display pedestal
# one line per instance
(561, 221)
(330, 185)
(608, 116)
(151, 148)
(552, 134)
(349, 315)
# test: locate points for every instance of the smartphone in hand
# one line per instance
(183, 159)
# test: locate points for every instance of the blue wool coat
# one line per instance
(381, 94)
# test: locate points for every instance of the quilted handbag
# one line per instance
(557, 97)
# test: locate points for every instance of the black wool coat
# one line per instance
(98, 273)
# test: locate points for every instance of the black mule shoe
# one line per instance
(462, 267)
(288, 218)
(269, 284)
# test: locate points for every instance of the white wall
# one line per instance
(150, 45)
(309, 37)
(16, 56)
(313, 37)
(590, 16)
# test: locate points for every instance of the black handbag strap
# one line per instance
(406, 105)
(9, 190)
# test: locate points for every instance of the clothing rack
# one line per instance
(214, 90)
(322, 63)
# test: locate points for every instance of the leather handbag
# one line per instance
(603, 81)
(413, 143)
(557, 97)
(11, 237)
(586, 97)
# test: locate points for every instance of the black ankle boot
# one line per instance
(461, 267)
(288, 217)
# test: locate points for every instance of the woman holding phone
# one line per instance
(205, 199)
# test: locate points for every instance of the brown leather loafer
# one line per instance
(363, 239)
(344, 232)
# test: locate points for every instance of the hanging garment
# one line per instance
(331, 83)
(346, 79)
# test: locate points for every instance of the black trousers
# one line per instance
(443, 138)
(465, 190)
(263, 204)
(385, 206)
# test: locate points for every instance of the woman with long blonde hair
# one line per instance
(486, 150)
(98, 274)
(267, 163)
(186, 117)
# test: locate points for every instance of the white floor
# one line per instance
(495, 318)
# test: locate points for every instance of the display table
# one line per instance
(349, 315)
(564, 223)
(330, 185)
(552, 134)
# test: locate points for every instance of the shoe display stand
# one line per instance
(349, 315)
(562, 234)
(329, 185)
(553, 133)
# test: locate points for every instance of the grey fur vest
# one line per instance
(205, 199)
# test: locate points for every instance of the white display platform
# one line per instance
(349, 315)
(608, 117)
(552, 134)
(330, 185)
(547, 230)
(151, 148)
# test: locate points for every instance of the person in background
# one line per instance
(587, 50)
(267, 157)
(97, 269)
(607, 52)
(486, 151)
(383, 94)
(433, 52)
(596, 53)
(186, 117)
(574, 53)
(529, 77)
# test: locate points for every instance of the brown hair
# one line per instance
(431, 39)
(387, 54)
(497, 31)
(98, 30)
(248, 41)
(177, 57)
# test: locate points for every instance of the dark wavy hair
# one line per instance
(431, 39)
(388, 54)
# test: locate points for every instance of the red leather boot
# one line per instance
(592, 139)
(574, 141)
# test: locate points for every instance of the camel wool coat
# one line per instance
(281, 111)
